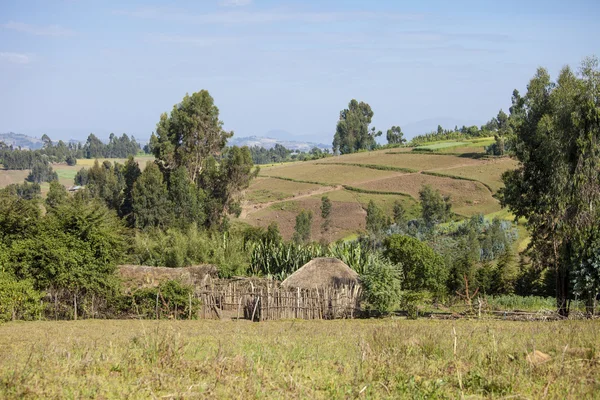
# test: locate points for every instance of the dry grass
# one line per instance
(489, 172)
(299, 359)
(467, 197)
(327, 174)
(405, 160)
(264, 190)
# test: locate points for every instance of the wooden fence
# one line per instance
(262, 300)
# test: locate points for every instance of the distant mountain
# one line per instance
(269, 142)
(20, 140)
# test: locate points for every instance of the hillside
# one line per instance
(268, 143)
(351, 181)
(20, 140)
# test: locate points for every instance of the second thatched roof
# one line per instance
(322, 273)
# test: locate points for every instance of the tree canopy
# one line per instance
(352, 132)
(557, 184)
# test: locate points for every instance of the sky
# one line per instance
(72, 67)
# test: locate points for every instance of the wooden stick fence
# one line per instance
(262, 300)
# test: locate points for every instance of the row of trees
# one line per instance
(279, 154)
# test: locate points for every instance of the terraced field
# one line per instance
(385, 176)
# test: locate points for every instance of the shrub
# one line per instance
(18, 299)
(381, 283)
(171, 299)
(423, 268)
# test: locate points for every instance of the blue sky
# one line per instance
(71, 67)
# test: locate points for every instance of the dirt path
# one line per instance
(248, 209)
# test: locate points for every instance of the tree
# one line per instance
(42, 172)
(557, 186)
(352, 131)
(131, 172)
(303, 226)
(326, 213)
(395, 135)
(151, 205)
(189, 135)
(399, 213)
(376, 220)
(435, 208)
(71, 160)
(423, 268)
(186, 201)
(57, 195)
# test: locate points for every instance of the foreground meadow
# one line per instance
(299, 359)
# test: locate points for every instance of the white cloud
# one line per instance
(234, 3)
(50, 30)
(15, 58)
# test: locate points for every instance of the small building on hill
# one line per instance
(321, 273)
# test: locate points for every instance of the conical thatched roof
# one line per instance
(322, 273)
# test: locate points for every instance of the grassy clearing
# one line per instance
(298, 359)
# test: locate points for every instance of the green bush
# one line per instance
(423, 268)
(381, 283)
(171, 299)
(18, 299)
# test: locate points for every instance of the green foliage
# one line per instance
(399, 213)
(326, 213)
(176, 248)
(41, 171)
(71, 160)
(57, 195)
(395, 136)
(25, 190)
(279, 260)
(376, 219)
(303, 226)
(117, 147)
(556, 140)
(381, 284)
(435, 209)
(423, 268)
(352, 131)
(171, 299)
(18, 299)
(151, 205)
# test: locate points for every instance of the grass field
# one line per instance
(327, 174)
(439, 146)
(489, 173)
(299, 359)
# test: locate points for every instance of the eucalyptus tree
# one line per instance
(557, 184)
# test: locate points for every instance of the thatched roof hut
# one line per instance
(322, 273)
(141, 276)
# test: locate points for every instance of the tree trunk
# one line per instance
(562, 285)
(75, 306)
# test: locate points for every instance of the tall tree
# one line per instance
(151, 205)
(303, 226)
(190, 134)
(435, 208)
(395, 135)
(557, 184)
(352, 132)
(325, 213)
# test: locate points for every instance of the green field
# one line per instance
(439, 146)
(340, 359)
